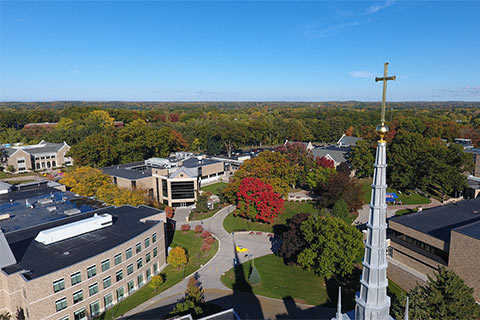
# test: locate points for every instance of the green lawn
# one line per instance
(413, 198)
(200, 216)
(404, 211)
(191, 242)
(232, 223)
(14, 182)
(280, 280)
(215, 188)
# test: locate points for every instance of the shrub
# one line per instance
(254, 277)
(206, 234)
(209, 240)
(185, 227)
(198, 228)
(169, 212)
(205, 247)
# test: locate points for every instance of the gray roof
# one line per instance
(9, 151)
(337, 154)
(130, 171)
(5, 186)
(6, 255)
(192, 172)
(48, 148)
(194, 163)
(472, 230)
(438, 222)
(348, 140)
(40, 259)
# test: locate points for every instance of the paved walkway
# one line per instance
(258, 244)
(365, 210)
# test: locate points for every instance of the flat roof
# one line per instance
(472, 230)
(438, 222)
(43, 199)
(130, 171)
(194, 163)
(39, 259)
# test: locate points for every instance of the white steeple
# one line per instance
(339, 315)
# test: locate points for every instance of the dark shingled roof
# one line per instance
(438, 222)
(43, 259)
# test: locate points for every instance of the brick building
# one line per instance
(442, 236)
(77, 267)
(41, 156)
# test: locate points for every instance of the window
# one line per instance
(76, 278)
(148, 273)
(183, 190)
(78, 296)
(80, 314)
(147, 242)
(119, 275)
(114, 180)
(134, 185)
(108, 299)
(155, 268)
(91, 271)
(154, 237)
(120, 293)
(129, 269)
(139, 263)
(128, 253)
(63, 318)
(61, 304)
(140, 280)
(105, 265)
(22, 160)
(118, 259)
(155, 252)
(93, 289)
(107, 282)
(164, 188)
(147, 258)
(94, 308)
(58, 285)
(138, 247)
(131, 286)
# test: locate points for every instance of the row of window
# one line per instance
(59, 285)
(94, 307)
(45, 157)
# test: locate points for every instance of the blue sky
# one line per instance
(248, 50)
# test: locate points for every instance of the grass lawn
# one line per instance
(413, 198)
(215, 188)
(232, 223)
(14, 182)
(404, 211)
(191, 242)
(280, 280)
(200, 216)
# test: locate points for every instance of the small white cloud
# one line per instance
(361, 74)
(377, 7)
(465, 91)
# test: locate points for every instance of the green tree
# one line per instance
(340, 210)
(333, 247)
(254, 277)
(362, 158)
(444, 297)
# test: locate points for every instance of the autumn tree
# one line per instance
(272, 168)
(362, 158)
(340, 186)
(333, 246)
(177, 257)
(257, 201)
(156, 282)
(445, 296)
(293, 241)
(85, 180)
(192, 301)
(300, 159)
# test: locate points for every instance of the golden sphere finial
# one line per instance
(382, 130)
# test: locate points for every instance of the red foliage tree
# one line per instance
(325, 162)
(257, 201)
(173, 117)
(206, 234)
(198, 228)
(185, 227)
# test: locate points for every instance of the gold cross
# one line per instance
(384, 79)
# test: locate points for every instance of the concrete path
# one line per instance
(365, 210)
(257, 243)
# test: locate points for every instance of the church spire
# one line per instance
(373, 302)
(406, 310)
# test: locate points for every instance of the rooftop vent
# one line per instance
(74, 229)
